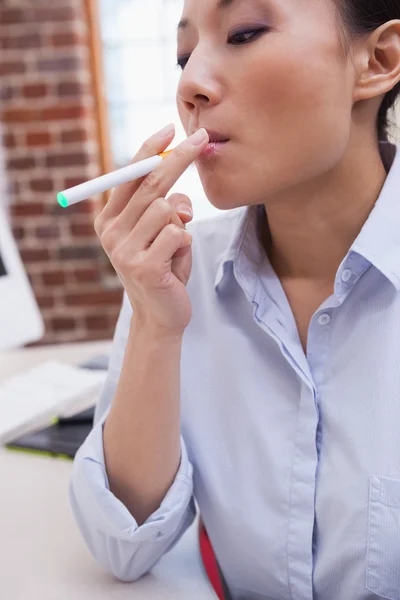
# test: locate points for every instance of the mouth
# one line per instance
(217, 143)
(213, 149)
(216, 137)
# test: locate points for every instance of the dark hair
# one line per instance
(359, 18)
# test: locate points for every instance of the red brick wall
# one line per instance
(51, 142)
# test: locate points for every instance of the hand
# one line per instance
(146, 240)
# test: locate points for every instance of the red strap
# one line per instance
(209, 561)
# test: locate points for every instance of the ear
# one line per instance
(379, 62)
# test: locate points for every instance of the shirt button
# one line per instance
(346, 275)
(324, 319)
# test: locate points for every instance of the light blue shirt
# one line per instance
(293, 459)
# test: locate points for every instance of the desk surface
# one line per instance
(42, 555)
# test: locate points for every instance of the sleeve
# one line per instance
(110, 532)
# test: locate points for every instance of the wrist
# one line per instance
(149, 331)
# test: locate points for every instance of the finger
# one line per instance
(122, 194)
(167, 243)
(182, 205)
(157, 216)
(159, 182)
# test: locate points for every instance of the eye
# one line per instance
(240, 38)
(243, 37)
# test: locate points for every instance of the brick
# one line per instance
(73, 181)
(82, 230)
(47, 231)
(35, 90)
(20, 115)
(7, 92)
(26, 162)
(38, 139)
(63, 63)
(78, 252)
(86, 275)
(33, 255)
(63, 323)
(42, 185)
(59, 113)
(100, 298)
(67, 160)
(18, 233)
(45, 300)
(68, 38)
(51, 113)
(75, 135)
(9, 140)
(12, 68)
(22, 42)
(85, 207)
(10, 16)
(97, 323)
(52, 14)
(28, 210)
(53, 277)
(71, 88)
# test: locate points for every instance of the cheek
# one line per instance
(300, 107)
(290, 77)
(285, 91)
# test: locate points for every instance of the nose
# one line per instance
(198, 86)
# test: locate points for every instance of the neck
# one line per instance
(312, 228)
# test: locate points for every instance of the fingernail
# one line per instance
(185, 209)
(198, 138)
(166, 132)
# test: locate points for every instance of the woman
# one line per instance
(266, 386)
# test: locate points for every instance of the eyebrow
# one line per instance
(184, 23)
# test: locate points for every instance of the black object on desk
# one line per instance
(61, 439)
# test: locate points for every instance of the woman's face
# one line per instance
(270, 76)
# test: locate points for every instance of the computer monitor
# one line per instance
(20, 318)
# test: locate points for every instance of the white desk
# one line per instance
(42, 555)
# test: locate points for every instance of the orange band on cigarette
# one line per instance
(164, 154)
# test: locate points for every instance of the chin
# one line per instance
(224, 199)
(221, 201)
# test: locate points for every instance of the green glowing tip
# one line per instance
(62, 201)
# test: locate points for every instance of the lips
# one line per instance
(216, 136)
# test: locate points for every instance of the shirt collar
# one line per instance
(242, 244)
(378, 240)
